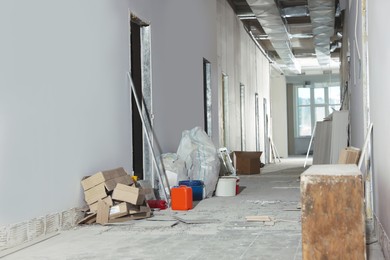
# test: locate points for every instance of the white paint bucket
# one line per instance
(226, 187)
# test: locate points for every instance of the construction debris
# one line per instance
(112, 196)
(259, 219)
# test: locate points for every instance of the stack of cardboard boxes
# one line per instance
(112, 196)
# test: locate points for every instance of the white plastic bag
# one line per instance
(174, 167)
(201, 158)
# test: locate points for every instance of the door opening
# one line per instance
(242, 117)
(137, 80)
(257, 122)
(225, 110)
(207, 96)
(140, 68)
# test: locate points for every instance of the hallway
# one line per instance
(222, 231)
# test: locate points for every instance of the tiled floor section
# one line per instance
(228, 235)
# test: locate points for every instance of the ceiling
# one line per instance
(300, 36)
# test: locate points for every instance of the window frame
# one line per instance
(326, 105)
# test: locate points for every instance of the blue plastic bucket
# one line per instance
(197, 188)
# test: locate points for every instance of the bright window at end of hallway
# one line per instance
(314, 102)
(303, 111)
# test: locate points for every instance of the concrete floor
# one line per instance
(223, 234)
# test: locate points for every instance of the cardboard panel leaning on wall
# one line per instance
(278, 98)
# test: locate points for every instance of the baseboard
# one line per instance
(25, 232)
(383, 239)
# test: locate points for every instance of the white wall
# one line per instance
(64, 98)
(278, 90)
(64, 101)
(183, 33)
(242, 61)
(379, 62)
(356, 81)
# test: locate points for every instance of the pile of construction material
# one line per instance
(113, 196)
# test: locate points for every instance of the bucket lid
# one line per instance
(191, 182)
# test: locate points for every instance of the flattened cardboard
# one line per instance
(102, 176)
(102, 213)
(119, 210)
(247, 162)
(93, 207)
(138, 209)
(89, 219)
(129, 194)
(133, 209)
(131, 217)
(94, 194)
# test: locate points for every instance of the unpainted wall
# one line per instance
(379, 62)
(278, 90)
(241, 60)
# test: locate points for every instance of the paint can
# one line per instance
(226, 186)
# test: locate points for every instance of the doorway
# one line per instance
(225, 110)
(140, 68)
(242, 117)
(207, 96)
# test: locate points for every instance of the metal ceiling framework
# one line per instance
(322, 14)
(267, 13)
(294, 31)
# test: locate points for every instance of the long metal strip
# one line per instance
(160, 172)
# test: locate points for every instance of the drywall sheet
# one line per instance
(321, 142)
(339, 136)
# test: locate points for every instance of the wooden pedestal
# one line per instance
(333, 225)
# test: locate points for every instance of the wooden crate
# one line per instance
(333, 225)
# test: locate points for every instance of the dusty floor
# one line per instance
(223, 232)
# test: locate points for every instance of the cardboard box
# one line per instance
(102, 176)
(247, 162)
(119, 210)
(93, 207)
(129, 194)
(133, 209)
(94, 194)
(111, 184)
(349, 155)
(103, 212)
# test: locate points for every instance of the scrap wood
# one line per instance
(267, 220)
(259, 219)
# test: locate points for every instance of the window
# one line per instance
(314, 103)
